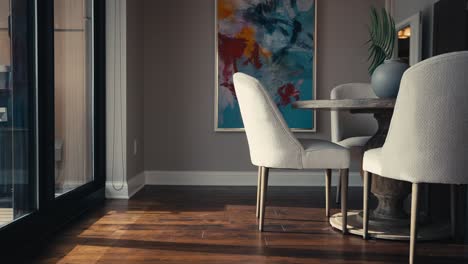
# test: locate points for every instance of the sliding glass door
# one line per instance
(74, 67)
(52, 116)
(18, 147)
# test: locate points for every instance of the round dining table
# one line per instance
(389, 219)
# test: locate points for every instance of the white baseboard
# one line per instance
(124, 189)
(136, 183)
(231, 178)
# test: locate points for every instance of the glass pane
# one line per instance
(17, 113)
(73, 94)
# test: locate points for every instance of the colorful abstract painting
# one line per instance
(272, 40)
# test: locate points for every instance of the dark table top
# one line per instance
(369, 105)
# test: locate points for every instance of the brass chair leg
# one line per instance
(257, 213)
(344, 199)
(264, 188)
(365, 220)
(414, 220)
(328, 175)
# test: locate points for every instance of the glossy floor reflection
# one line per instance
(218, 225)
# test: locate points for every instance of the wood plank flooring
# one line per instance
(218, 225)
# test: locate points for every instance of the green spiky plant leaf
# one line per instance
(382, 33)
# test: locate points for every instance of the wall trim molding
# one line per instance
(220, 178)
(136, 183)
(243, 178)
(129, 188)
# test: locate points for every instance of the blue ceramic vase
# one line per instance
(387, 77)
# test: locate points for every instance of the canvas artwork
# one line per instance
(273, 41)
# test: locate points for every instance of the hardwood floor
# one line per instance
(218, 225)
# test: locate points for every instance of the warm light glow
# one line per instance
(404, 33)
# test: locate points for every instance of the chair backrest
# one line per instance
(429, 128)
(345, 124)
(271, 142)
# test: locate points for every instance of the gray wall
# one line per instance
(405, 9)
(179, 80)
(134, 86)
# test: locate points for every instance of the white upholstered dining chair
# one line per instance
(427, 141)
(352, 131)
(273, 146)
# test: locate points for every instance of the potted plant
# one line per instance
(386, 72)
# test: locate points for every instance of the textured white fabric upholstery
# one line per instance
(346, 125)
(349, 130)
(271, 142)
(354, 142)
(427, 141)
(319, 154)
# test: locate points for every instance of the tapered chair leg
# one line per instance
(414, 219)
(257, 213)
(338, 190)
(344, 199)
(365, 218)
(453, 204)
(328, 175)
(263, 194)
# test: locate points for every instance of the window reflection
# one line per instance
(17, 113)
(73, 94)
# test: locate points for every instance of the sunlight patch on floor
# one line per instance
(84, 254)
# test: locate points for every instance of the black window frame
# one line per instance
(53, 212)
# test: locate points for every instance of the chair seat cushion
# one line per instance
(321, 154)
(354, 142)
(372, 161)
